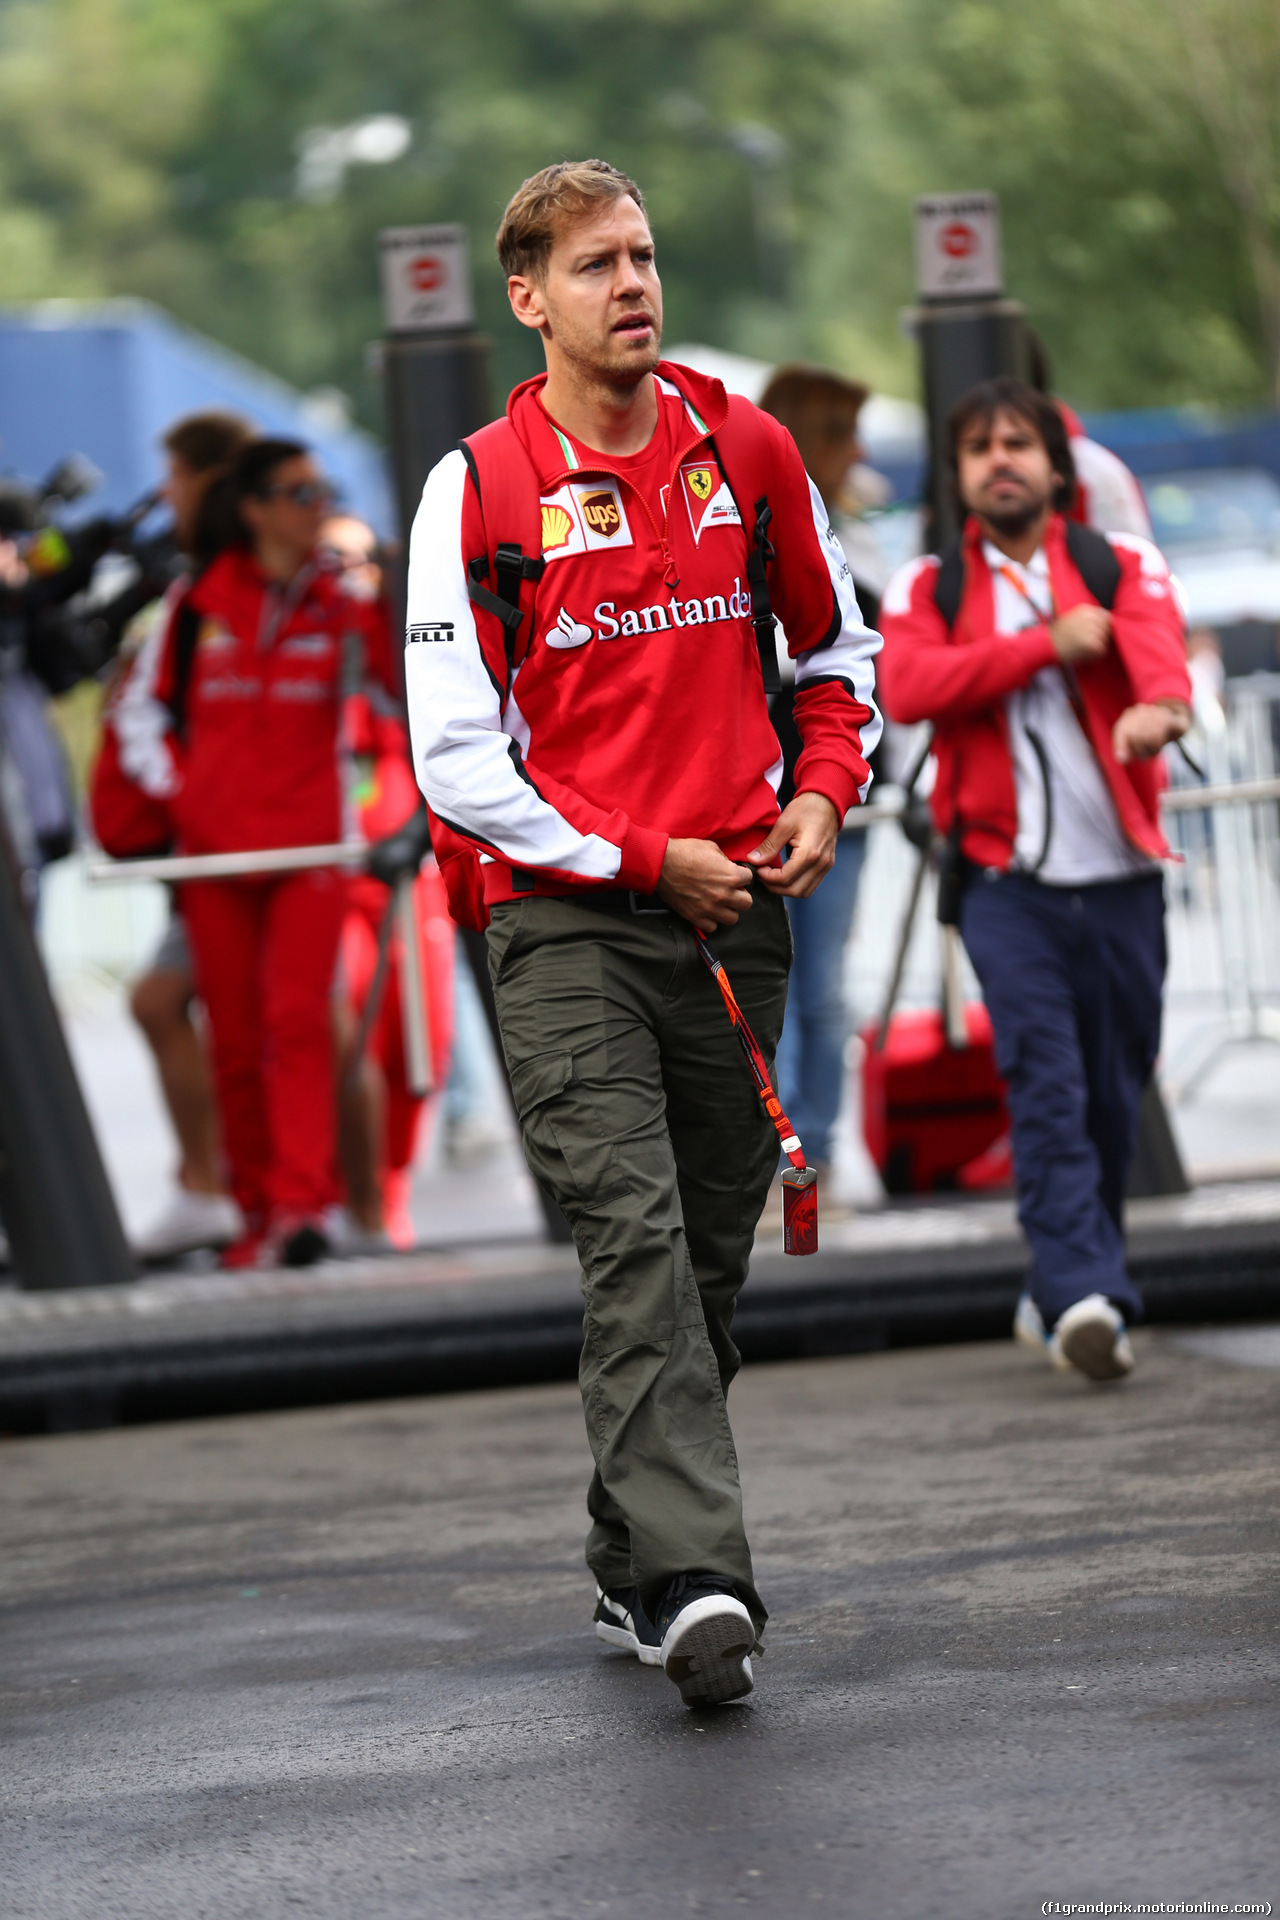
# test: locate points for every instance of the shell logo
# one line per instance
(557, 525)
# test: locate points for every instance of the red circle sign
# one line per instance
(958, 240)
(426, 273)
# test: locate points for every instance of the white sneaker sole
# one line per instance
(627, 1642)
(705, 1651)
(1092, 1339)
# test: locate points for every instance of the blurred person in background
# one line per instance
(820, 409)
(255, 763)
(1050, 712)
(1107, 495)
(199, 452)
(379, 1119)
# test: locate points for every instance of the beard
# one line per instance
(1014, 517)
(610, 362)
(1014, 520)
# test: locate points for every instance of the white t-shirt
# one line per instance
(1087, 844)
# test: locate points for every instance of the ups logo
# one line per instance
(601, 513)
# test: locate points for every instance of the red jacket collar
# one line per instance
(706, 397)
(235, 572)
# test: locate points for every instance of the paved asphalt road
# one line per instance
(338, 1663)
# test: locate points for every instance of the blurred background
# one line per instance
(190, 196)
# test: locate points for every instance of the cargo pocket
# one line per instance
(566, 1142)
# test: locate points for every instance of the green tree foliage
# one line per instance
(151, 147)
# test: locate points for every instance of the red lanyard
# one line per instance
(1019, 587)
(799, 1182)
(755, 1059)
(1068, 672)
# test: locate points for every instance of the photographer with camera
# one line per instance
(41, 569)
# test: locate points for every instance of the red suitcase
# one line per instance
(934, 1117)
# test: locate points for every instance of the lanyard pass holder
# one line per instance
(799, 1210)
(799, 1182)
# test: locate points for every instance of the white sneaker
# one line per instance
(348, 1239)
(191, 1221)
(1091, 1337)
(1029, 1328)
(473, 1140)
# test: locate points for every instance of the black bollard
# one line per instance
(55, 1199)
(967, 330)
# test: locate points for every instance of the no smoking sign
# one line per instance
(426, 278)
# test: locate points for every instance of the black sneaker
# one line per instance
(706, 1638)
(623, 1623)
(302, 1243)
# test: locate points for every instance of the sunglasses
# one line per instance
(306, 493)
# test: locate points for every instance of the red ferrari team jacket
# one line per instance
(959, 677)
(243, 742)
(638, 711)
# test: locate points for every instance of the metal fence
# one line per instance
(1222, 888)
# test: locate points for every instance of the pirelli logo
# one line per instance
(430, 630)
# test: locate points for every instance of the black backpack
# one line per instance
(1093, 555)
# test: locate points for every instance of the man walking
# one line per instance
(587, 696)
(1051, 659)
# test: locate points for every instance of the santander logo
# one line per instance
(612, 624)
(567, 632)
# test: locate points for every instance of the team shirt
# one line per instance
(638, 711)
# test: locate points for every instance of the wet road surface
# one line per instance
(1024, 1648)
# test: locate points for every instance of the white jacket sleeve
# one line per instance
(468, 750)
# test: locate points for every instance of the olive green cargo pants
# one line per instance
(639, 1113)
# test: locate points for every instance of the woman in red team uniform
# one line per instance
(258, 656)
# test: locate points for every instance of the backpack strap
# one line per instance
(760, 551)
(759, 554)
(508, 565)
(186, 634)
(1095, 561)
(948, 584)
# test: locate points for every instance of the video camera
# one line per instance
(83, 584)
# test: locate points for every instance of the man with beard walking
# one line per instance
(1051, 661)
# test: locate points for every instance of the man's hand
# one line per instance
(1141, 731)
(698, 882)
(1082, 634)
(808, 826)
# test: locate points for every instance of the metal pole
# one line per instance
(232, 866)
(55, 1199)
(413, 1008)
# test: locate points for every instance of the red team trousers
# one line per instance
(265, 953)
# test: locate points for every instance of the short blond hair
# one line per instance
(549, 201)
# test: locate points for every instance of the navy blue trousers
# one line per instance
(1073, 978)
